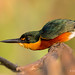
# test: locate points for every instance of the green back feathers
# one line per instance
(56, 27)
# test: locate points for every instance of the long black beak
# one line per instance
(12, 41)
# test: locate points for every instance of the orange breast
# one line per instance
(47, 43)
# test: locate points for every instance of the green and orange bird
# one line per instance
(55, 31)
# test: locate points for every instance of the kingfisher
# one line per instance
(55, 31)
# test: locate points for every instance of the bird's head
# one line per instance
(30, 37)
(27, 39)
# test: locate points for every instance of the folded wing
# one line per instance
(56, 27)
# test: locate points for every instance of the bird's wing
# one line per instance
(56, 27)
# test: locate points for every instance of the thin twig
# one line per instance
(8, 64)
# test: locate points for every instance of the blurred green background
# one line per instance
(20, 16)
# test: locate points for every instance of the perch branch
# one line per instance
(8, 64)
(59, 61)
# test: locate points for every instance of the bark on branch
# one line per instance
(58, 61)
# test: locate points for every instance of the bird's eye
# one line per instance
(28, 39)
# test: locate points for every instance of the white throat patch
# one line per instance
(72, 35)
